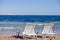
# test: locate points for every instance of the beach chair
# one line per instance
(47, 30)
(29, 30)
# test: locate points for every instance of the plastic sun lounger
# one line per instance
(47, 31)
(29, 30)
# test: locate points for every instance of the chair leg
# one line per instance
(23, 37)
(35, 36)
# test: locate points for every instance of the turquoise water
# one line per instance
(13, 27)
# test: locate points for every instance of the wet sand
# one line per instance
(10, 37)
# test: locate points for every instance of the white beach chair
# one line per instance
(29, 29)
(47, 31)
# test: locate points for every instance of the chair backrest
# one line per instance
(48, 29)
(29, 29)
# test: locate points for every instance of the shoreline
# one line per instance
(11, 37)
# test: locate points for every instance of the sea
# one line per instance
(12, 24)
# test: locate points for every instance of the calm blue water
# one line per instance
(30, 18)
(11, 24)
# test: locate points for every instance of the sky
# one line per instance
(29, 7)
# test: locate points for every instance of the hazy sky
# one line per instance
(30, 7)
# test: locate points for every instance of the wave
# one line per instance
(6, 27)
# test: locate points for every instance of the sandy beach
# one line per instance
(10, 37)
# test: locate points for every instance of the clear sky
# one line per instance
(30, 7)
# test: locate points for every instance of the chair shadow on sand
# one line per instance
(20, 37)
(17, 36)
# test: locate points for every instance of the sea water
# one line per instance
(10, 24)
(15, 27)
